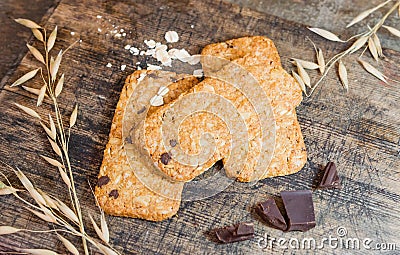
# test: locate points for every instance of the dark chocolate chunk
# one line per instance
(269, 211)
(173, 142)
(114, 193)
(330, 178)
(299, 209)
(128, 140)
(239, 232)
(165, 158)
(103, 180)
(141, 110)
(152, 75)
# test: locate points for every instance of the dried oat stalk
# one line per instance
(367, 40)
(67, 217)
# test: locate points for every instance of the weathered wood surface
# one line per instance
(359, 130)
(13, 36)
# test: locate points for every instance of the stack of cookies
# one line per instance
(273, 146)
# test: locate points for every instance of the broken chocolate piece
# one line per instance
(173, 142)
(330, 178)
(103, 180)
(239, 232)
(114, 193)
(141, 110)
(269, 211)
(165, 157)
(299, 209)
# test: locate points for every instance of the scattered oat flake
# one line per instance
(198, 73)
(72, 33)
(156, 100)
(150, 43)
(99, 30)
(150, 52)
(99, 16)
(124, 34)
(172, 52)
(166, 62)
(153, 67)
(162, 56)
(194, 60)
(123, 67)
(109, 65)
(141, 76)
(134, 50)
(127, 47)
(162, 91)
(171, 36)
(191, 26)
(162, 47)
(182, 55)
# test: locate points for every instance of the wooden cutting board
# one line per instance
(359, 130)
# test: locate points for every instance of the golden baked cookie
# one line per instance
(259, 57)
(119, 192)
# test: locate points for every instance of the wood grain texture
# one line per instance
(359, 130)
(14, 36)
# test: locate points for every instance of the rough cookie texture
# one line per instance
(118, 191)
(258, 56)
